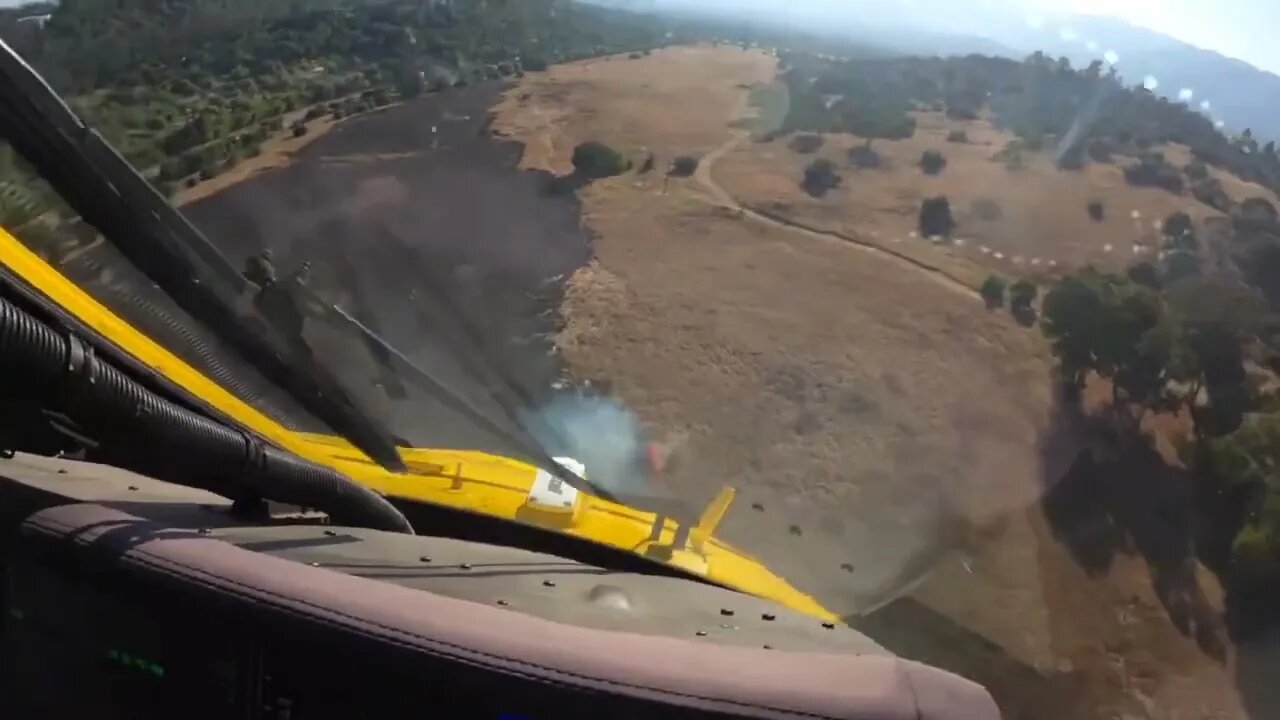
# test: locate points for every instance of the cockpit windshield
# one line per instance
(972, 302)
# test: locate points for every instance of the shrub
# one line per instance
(1179, 232)
(533, 64)
(957, 136)
(993, 291)
(1209, 191)
(1022, 294)
(932, 162)
(1196, 170)
(1097, 211)
(805, 143)
(935, 217)
(684, 166)
(1153, 171)
(820, 177)
(864, 156)
(1256, 214)
(596, 160)
(299, 130)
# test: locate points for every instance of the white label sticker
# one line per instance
(551, 491)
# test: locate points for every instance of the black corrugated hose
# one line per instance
(143, 432)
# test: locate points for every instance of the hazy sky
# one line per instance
(1243, 29)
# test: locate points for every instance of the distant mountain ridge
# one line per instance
(1241, 95)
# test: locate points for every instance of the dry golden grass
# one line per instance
(880, 416)
(1043, 227)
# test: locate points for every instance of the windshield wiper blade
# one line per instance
(441, 392)
(109, 194)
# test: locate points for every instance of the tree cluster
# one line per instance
(185, 88)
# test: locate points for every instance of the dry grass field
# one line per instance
(1017, 222)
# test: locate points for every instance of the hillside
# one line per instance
(1239, 94)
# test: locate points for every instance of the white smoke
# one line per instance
(597, 431)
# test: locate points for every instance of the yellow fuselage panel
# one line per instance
(468, 480)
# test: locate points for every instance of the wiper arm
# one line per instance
(109, 194)
(437, 389)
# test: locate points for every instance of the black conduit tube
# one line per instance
(151, 435)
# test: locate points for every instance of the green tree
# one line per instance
(1212, 319)
(684, 166)
(935, 217)
(1180, 233)
(596, 160)
(992, 291)
(932, 162)
(1022, 294)
(819, 177)
(1103, 323)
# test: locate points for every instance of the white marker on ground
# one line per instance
(998, 255)
(1106, 248)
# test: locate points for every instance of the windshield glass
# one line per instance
(971, 301)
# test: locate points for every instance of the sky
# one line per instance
(1243, 29)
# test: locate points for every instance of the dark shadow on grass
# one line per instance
(1132, 502)
(912, 630)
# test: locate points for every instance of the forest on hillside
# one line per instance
(187, 88)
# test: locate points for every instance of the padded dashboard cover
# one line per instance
(430, 629)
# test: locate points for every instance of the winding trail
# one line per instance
(722, 197)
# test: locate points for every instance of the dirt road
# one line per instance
(705, 176)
